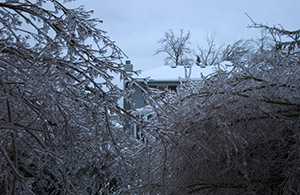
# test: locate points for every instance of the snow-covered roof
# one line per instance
(167, 73)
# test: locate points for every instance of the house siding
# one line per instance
(137, 97)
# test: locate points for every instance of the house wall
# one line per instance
(137, 97)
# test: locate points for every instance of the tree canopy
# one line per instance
(57, 99)
(237, 131)
(233, 132)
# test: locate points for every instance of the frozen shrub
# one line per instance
(234, 132)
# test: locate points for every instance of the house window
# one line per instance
(153, 86)
(172, 87)
(162, 87)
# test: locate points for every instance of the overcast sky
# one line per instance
(137, 25)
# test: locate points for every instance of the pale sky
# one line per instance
(137, 25)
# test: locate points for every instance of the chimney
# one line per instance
(128, 66)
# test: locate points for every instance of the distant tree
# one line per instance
(239, 51)
(214, 55)
(56, 100)
(209, 56)
(234, 132)
(177, 49)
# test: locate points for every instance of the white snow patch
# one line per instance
(167, 73)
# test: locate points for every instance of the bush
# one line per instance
(233, 132)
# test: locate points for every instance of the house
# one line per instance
(162, 77)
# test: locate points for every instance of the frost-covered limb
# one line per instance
(233, 132)
(55, 70)
(281, 36)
